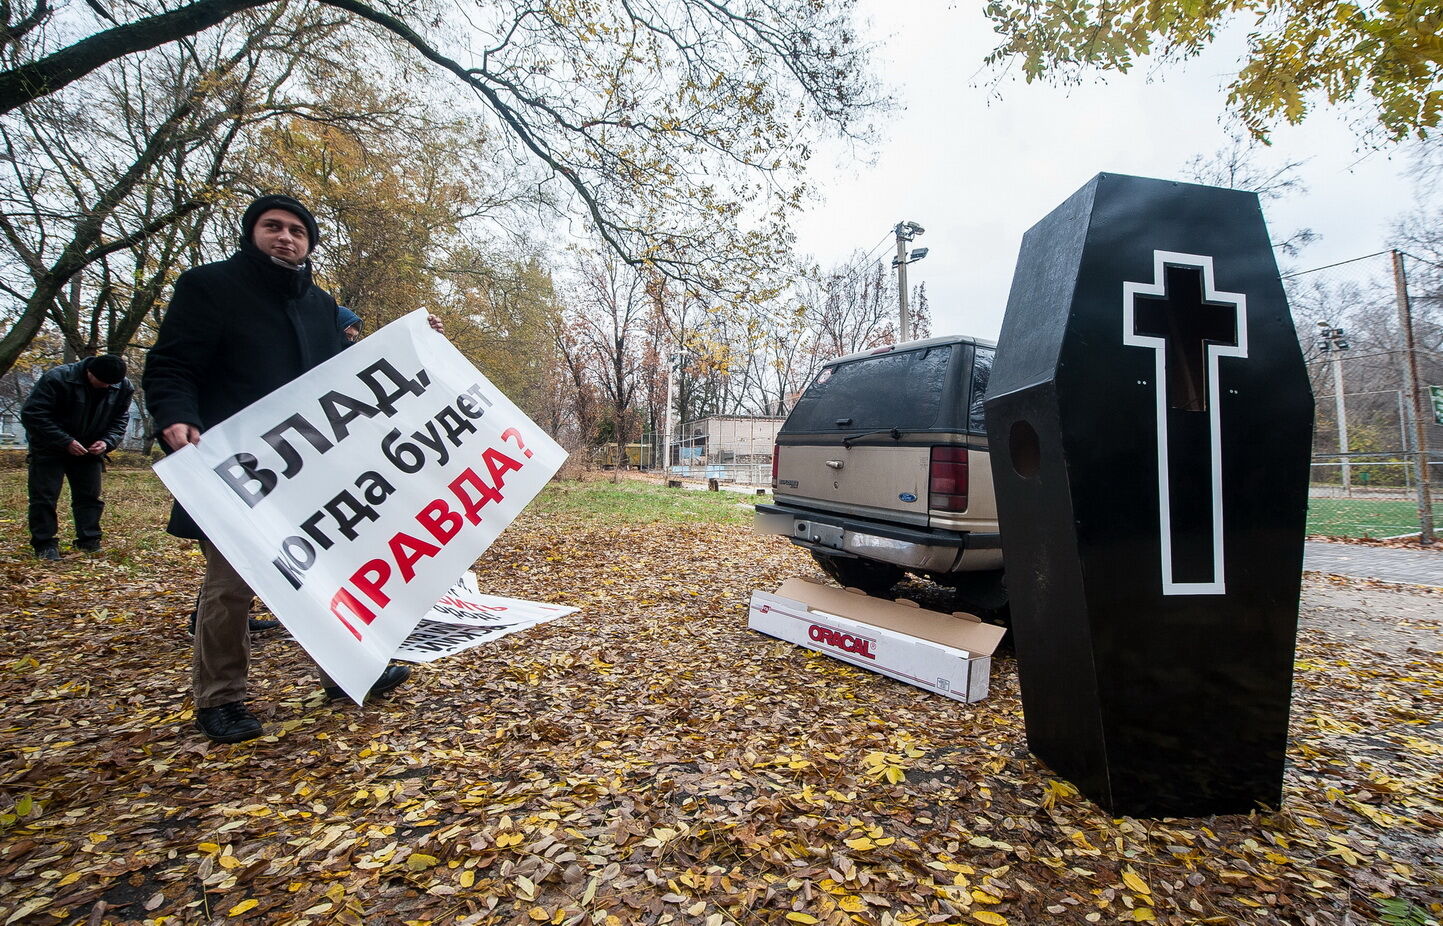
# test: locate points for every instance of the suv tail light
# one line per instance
(776, 458)
(947, 482)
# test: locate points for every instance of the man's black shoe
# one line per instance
(391, 678)
(88, 546)
(228, 723)
(47, 551)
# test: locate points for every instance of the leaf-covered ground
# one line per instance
(650, 760)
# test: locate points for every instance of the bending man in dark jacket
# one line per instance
(236, 330)
(74, 416)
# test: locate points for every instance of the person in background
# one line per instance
(75, 415)
(237, 330)
(349, 323)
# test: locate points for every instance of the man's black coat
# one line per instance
(236, 330)
(57, 412)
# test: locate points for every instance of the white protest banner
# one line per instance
(464, 604)
(351, 498)
(432, 640)
(464, 618)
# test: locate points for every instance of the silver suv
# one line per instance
(882, 469)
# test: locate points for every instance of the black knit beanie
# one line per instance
(266, 203)
(108, 368)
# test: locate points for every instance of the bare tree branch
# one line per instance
(31, 81)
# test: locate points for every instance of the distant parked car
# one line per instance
(882, 469)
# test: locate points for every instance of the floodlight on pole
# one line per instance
(905, 232)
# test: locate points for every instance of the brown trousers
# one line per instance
(222, 646)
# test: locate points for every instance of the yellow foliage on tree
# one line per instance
(1385, 56)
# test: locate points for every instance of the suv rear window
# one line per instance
(895, 390)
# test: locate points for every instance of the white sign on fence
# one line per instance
(351, 498)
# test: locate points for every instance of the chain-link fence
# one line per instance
(1371, 334)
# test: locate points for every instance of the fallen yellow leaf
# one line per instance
(242, 907)
(1136, 883)
(990, 918)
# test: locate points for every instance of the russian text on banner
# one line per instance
(351, 498)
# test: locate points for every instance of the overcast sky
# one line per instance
(976, 172)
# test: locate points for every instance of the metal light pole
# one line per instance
(671, 362)
(905, 232)
(1331, 340)
(1415, 393)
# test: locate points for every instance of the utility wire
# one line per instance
(1351, 260)
(1422, 260)
(864, 264)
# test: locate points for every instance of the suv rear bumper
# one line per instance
(912, 548)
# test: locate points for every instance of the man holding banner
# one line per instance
(237, 330)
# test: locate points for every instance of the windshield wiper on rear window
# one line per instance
(892, 432)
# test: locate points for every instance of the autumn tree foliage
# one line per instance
(608, 338)
(438, 147)
(678, 128)
(108, 191)
(1383, 58)
(106, 196)
(625, 342)
(93, 187)
(1361, 297)
(409, 199)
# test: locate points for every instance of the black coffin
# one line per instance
(1150, 423)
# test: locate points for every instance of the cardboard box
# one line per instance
(950, 654)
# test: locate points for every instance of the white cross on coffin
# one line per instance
(1199, 391)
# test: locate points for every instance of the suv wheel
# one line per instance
(875, 579)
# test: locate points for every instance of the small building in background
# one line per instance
(635, 455)
(731, 448)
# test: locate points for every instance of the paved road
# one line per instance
(1407, 567)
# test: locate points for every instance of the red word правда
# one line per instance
(470, 492)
